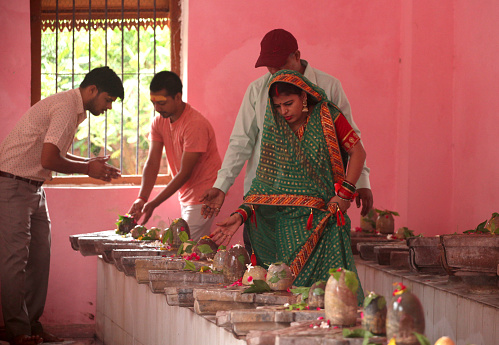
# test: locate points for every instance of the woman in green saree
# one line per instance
(297, 202)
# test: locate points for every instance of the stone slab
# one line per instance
(128, 263)
(145, 264)
(116, 254)
(400, 259)
(383, 252)
(301, 333)
(366, 249)
(91, 245)
(182, 296)
(364, 237)
(73, 239)
(236, 294)
(160, 279)
(212, 307)
(264, 318)
(111, 251)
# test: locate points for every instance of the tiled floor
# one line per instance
(72, 334)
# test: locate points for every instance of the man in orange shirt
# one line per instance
(191, 152)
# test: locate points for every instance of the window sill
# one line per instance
(85, 181)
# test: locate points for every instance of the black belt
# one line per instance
(27, 180)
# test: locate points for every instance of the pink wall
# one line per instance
(415, 72)
(358, 42)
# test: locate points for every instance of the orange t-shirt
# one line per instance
(190, 133)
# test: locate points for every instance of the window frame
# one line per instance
(36, 29)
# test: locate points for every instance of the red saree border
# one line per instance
(295, 80)
(285, 200)
(332, 143)
(302, 201)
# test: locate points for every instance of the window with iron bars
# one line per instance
(136, 38)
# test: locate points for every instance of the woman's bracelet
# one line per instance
(349, 200)
(345, 191)
(242, 218)
(142, 198)
(241, 212)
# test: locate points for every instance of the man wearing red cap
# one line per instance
(279, 50)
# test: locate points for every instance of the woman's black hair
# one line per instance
(284, 88)
(280, 87)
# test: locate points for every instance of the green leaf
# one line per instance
(182, 235)
(188, 249)
(385, 212)
(351, 281)
(168, 236)
(381, 302)
(189, 266)
(180, 250)
(303, 290)
(241, 258)
(422, 339)
(297, 306)
(318, 291)
(222, 247)
(258, 286)
(356, 333)
(369, 298)
(205, 249)
(274, 279)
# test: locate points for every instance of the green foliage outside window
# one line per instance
(127, 124)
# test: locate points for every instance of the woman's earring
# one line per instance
(305, 108)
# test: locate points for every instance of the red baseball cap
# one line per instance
(276, 46)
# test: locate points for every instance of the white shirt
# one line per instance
(52, 120)
(246, 137)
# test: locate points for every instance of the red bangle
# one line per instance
(142, 198)
(242, 213)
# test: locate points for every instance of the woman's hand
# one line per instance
(343, 204)
(226, 229)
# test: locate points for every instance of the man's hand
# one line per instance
(366, 197)
(99, 169)
(136, 209)
(147, 210)
(212, 200)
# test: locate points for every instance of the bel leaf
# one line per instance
(303, 290)
(189, 266)
(274, 279)
(241, 259)
(258, 286)
(182, 235)
(318, 291)
(205, 249)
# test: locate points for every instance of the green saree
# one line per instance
(295, 178)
